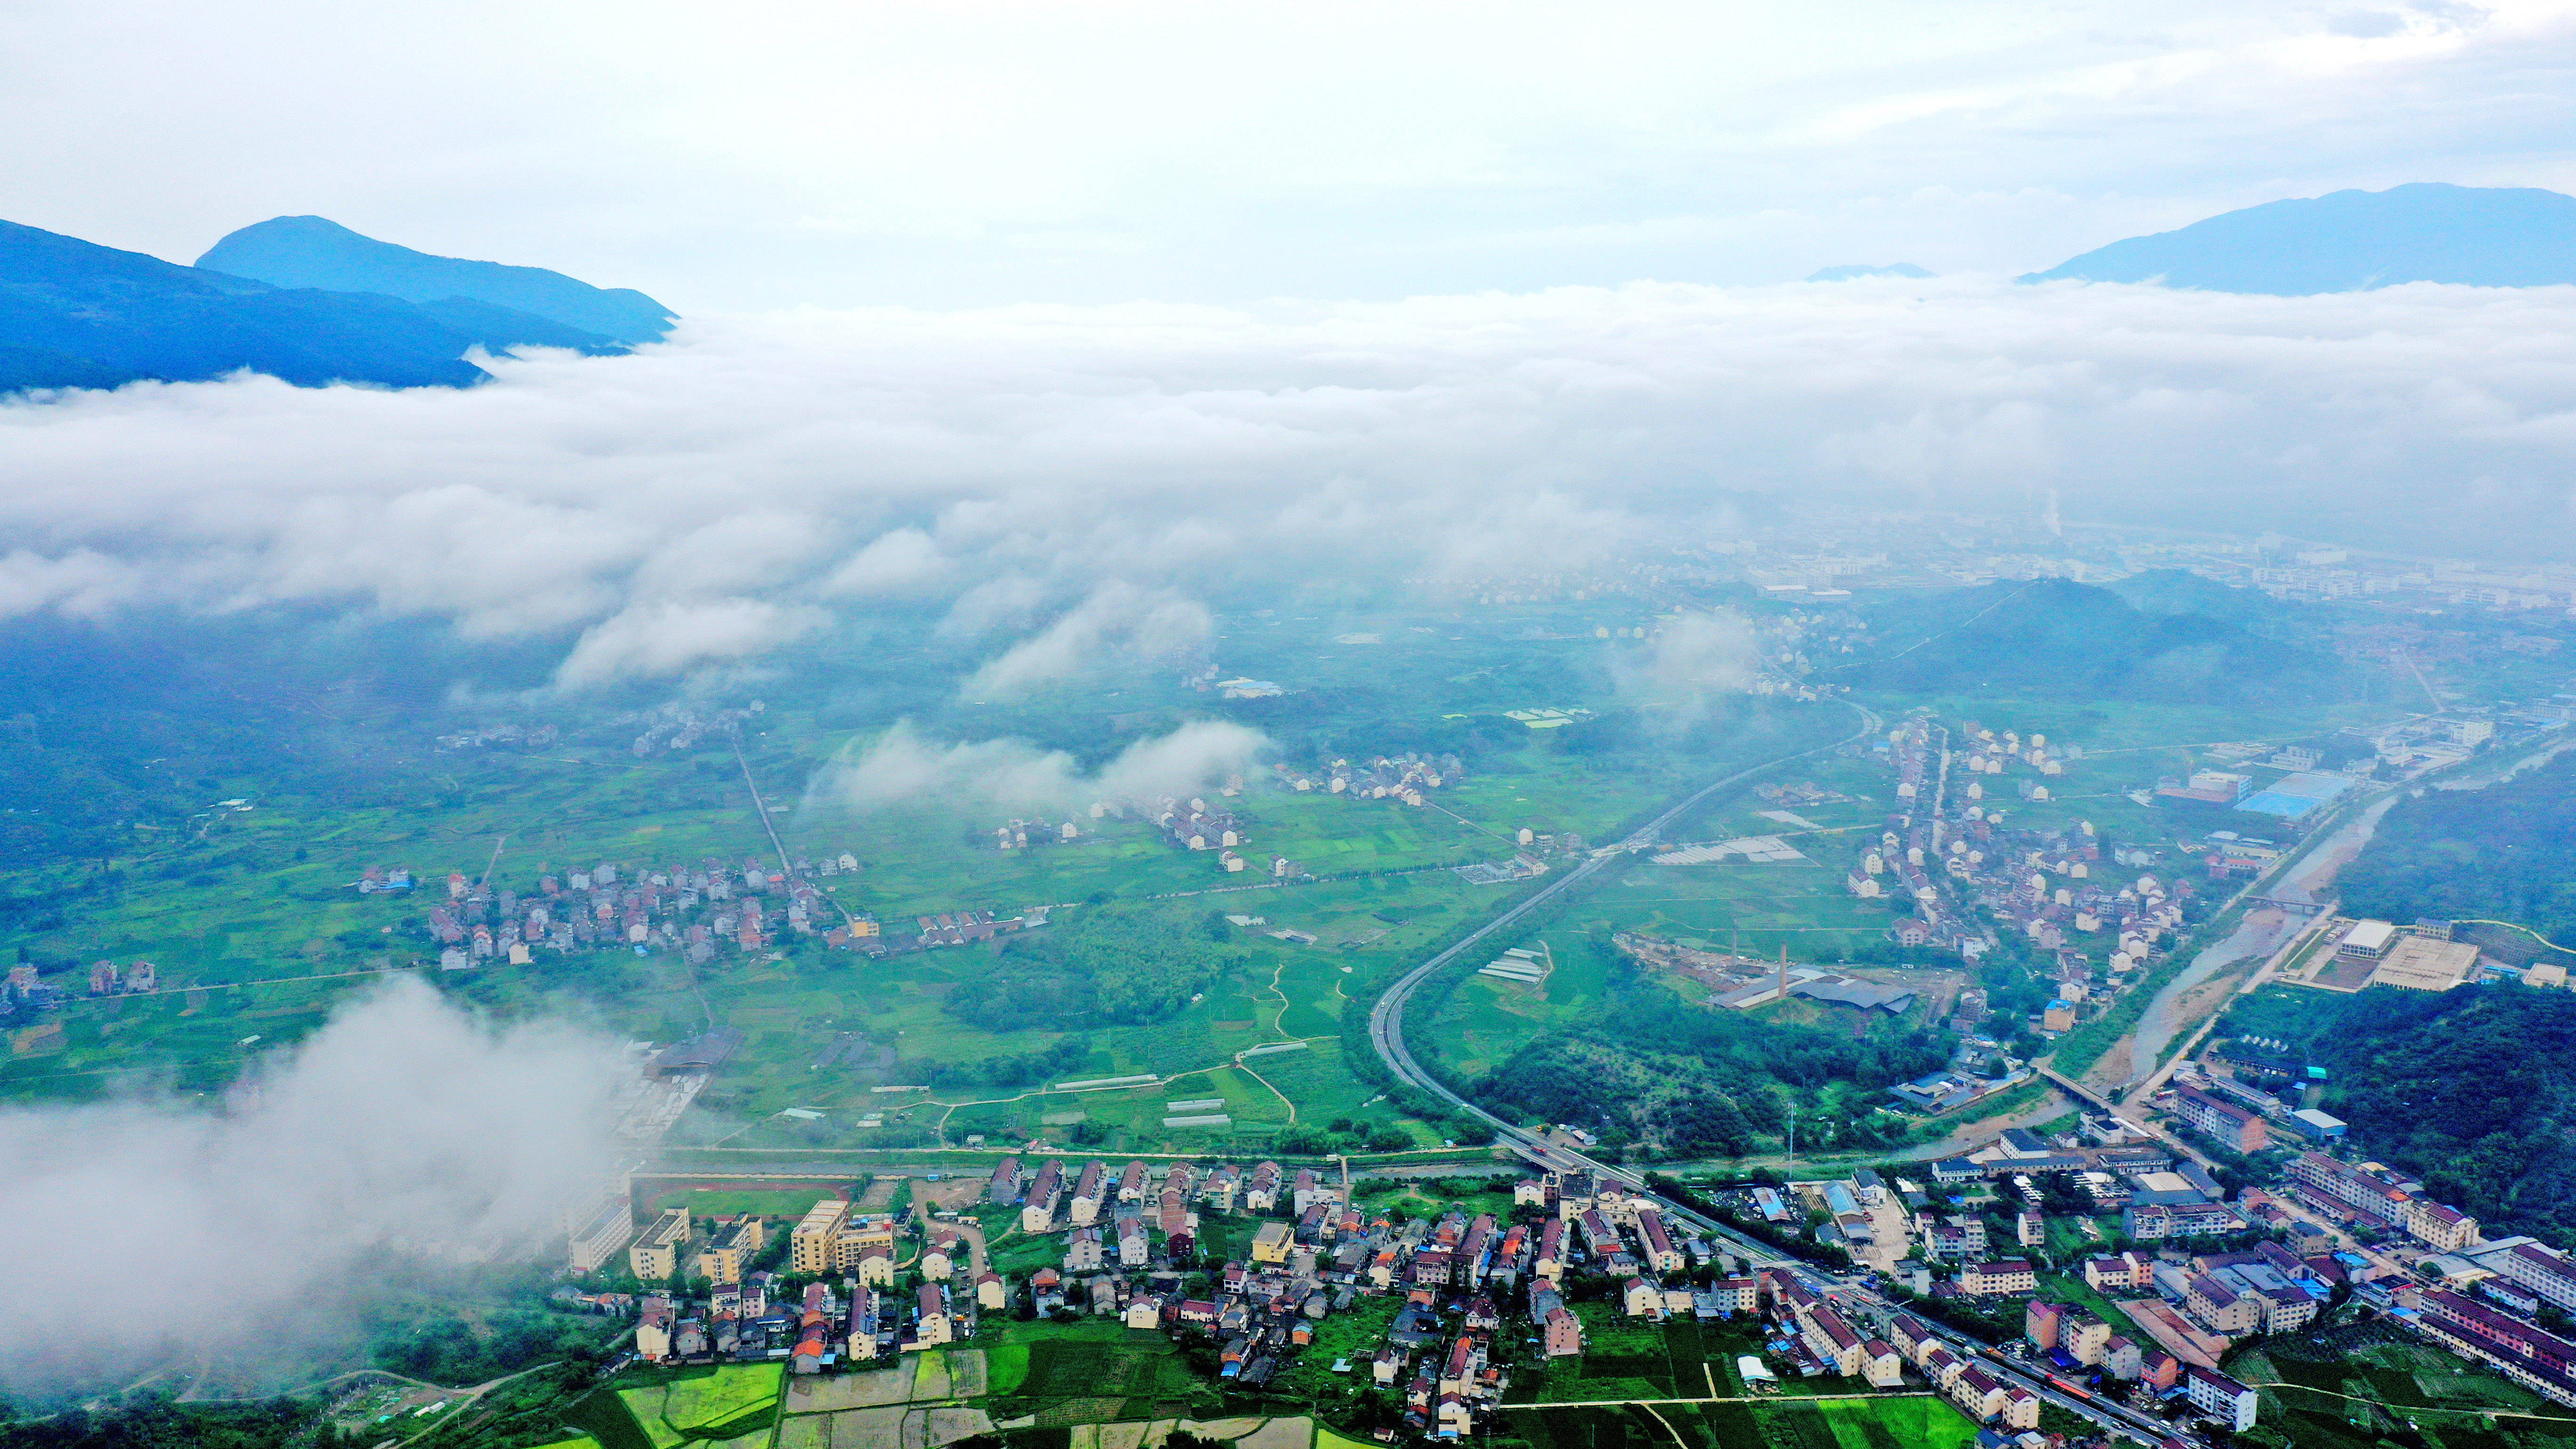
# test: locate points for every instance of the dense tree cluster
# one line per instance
(1105, 967)
(2473, 1090)
(1692, 1082)
(447, 1349)
(159, 1423)
(2507, 852)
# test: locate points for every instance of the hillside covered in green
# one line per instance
(2473, 1090)
(1693, 1081)
(2155, 638)
(2504, 853)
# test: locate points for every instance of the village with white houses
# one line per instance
(1952, 1277)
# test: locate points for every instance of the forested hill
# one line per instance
(2473, 1090)
(2504, 853)
(2151, 642)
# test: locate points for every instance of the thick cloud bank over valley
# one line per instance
(1071, 485)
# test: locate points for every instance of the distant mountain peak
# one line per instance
(315, 251)
(1847, 273)
(2352, 241)
(74, 314)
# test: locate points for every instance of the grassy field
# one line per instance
(604, 1416)
(726, 1401)
(1756, 907)
(1088, 1372)
(1626, 1358)
(2402, 1375)
(1884, 1422)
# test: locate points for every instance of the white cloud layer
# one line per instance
(943, 154)
(1075, 483)
(902, 768)
(401, 1126)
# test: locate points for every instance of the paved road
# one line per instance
(1386, 1019)
(1386, 1035)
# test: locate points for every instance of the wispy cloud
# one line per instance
(403, 1129)
(902, 768)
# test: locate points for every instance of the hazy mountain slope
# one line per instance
(2351, 241)
(76, 314)
(2507, 852)
(2056, 637)
(312, 251)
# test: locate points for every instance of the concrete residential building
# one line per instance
(862, 1239)
(809, 1243)
(2443, 1228)
(860, 1331)
(2043, 1323)
(1564, 1334)
(655, 1255)
(2374, 1190)
(2527, 1354)
(607, 1225)
(2543, 1270)
(2002, 1275)
(2084, 1337)
(2215, 1302)
(724, 1256)
(2128, 1270)
(2220, 1397)
(2236, 1127)
(1037, 1215)
(931, 1325)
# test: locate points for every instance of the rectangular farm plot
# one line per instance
(1146, 1367)
(704, 1404)
(1911, 1422)
(1625, 1427)
(834, 1392)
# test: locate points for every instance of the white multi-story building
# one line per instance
(2220, 1397)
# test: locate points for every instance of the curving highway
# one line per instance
(1386, 1035)
(1386, 1018)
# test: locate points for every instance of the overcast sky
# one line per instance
(751, 156)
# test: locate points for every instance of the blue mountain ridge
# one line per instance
(2351, 241)
(311, 251)
(77, 314)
